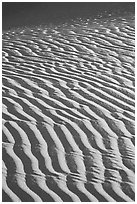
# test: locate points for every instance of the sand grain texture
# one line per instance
(68, 112)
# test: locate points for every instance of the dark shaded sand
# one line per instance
(68, 111)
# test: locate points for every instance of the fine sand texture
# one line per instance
(68, 112)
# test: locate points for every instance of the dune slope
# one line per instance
(68, 112)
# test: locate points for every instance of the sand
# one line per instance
(68, 112)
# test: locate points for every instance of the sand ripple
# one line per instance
(68, 112)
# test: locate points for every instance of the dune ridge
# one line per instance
(68, 112)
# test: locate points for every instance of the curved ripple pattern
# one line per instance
(68, 112)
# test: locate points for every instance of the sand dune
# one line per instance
(68, 112)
